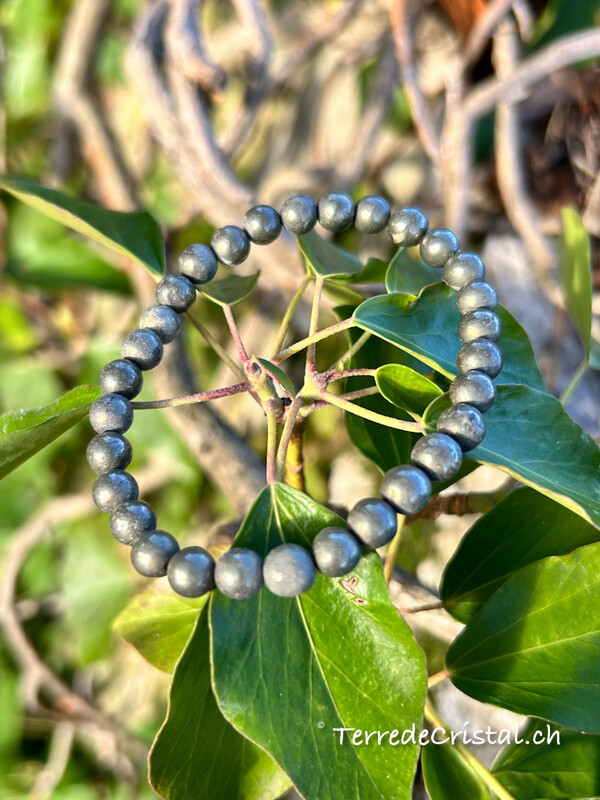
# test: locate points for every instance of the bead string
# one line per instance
(289, 569)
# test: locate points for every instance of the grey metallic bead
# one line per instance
(191, 571)
(152, 552)
(198, 262)
(238, 573)
(262, 224)
(289, 570)
(373, 521)
(406, 488)
(475, 388)
(176, 291)
(464, 423)
(132, 520)
(109, 451)
(481, 324)
(336, 211)
(113, 489)
(299, 214)
(475, 296)
(481, 355)
(231, 245)
(372, 214)
(144, 347)
(336, 551)
(437, 246)
(438, 455)
(407, 227)
(462, 269)
(162, 320)
(121, 377)
(111, 412)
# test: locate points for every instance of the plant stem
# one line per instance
(285, 322)
(438, 677)
(294, 460)
(319, 336)
(373, 416)
(369, 390)
(286, 435)
(332, 376)
(235, 334)
(574, 382)
(216, 346)
(392, 553)
(311, 351)
(271, 445)
(192, 399)
(351, 351)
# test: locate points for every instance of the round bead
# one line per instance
(231, 245)
(438, 455)
(144, 347)
(407, 489)
(190, 571)
(238, 573)
(111, 412)
(462, 269)
(481, 355)
(289, 570)
(336, 551)
(198, 262)
(162, 320)
(262, 224)
(480, 324)
(373, 521)
(407, 227)
(336, 211)
(176, 291)
(121, 377)
(437, 246)
(475, 296)
(475, 388)
(152, 552)
(132, 520)
(109, 451)
(299, 214)
(464, 423)
(113, 489)
(372, 214)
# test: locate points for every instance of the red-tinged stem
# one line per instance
(242, 353)
(191, 399)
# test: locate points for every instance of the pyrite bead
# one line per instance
(406, 488)
(476, 295)
(132, 520)
(162, 320)
(289, 570)
(438, 455)
(299, 214)
(373, 522)
(262, 224)
(238, 573)
(336, 551)
(231, 245)
(152, 552)
(144, 347)
(475, 388)
(479, 324)
(407, 227)
(121, 377)
(191, 571)
(108, 451)
(437, 246)
(481, 355)
(113, 489)
(372, 214)
(176, 291)
(111, 412)
(464, 423)
(336, 211)
(462, 269)
(198, 262)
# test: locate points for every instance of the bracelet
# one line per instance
(289, 569)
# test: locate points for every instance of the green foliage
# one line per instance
(326, 260)
(447, 775)
(279, 376)
(406, 274)
(576, 275)
(406, 388)
(230, 290)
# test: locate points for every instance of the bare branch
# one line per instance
(187, 50)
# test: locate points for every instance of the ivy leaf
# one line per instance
(448, 776)
(133, 234)
(230, 290)
(24, 433)
(279, 376)
(406, 388)
(408, 275)
(576, 275)
(197, 753)
(385, 447)
(374, 271)
(326, 260)
(285, 682)
(524, 527)
(533, 647)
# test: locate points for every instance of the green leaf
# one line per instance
(448, 776)
(230, 290)
(327, 260)
(428, 329)
(197, 753)
(133, 234)
(576, 275)
(531, 437)
(524, 527)
(595, 355)
(374, 271)
(533, 647)
(286, 672)
(279, 375)
(384, 446)
(406, 388)
(567, 767)
(406, 274)
(24, 433)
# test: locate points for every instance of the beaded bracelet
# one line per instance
(289, 569)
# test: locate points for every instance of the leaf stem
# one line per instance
(366, 413)
(369, 390)
(271, 445)
(338, 327)
(285, 322)
(311, 351)
(438, 677)
(392, 553)
(331, 376)
(216, 346)
(286, 435)
(192, 399)
(351, 351)
(236, 335)
(574, 382)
